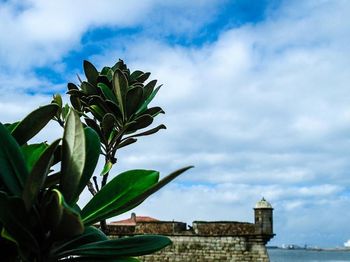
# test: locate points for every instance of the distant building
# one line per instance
(205, 240)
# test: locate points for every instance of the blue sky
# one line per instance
(256, 95)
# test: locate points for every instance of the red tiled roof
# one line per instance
(132, 221)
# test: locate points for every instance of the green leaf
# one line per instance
(90, 235)
(153, 111)
(73, 156)
(133, 100)
(16, 221)
(108, 124)
(32, 153)
(12, 126)
(136, 74)
(34, 122)
(91, 72)
(141, 197)
(117, 192)
(141, 122)
(106, 168)
(148, 100)
(107, 92)
(51, 209)
(70, 224)
(150, 132)
(142, 78)
(120, 87)
(148, 89)
(127, 142)
(93, 151)
(122, 247)
(38, 174)
(88, 88)
(13, 171)
(52, 180)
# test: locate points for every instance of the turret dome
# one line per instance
(263, 204)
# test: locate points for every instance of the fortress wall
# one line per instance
(211, 249)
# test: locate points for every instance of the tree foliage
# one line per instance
(40, 184)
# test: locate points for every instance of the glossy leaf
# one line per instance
(38, 175)
(73, 156)
(148, 89)
(107, 92)
(91, 72)
(153, 111)
(117, 192)
(34, 122)
(148, 100)
(13, 171)
(120, 86)
(122, 247)
(92, 154)
(141, 197)
(136, 74)
(32, 153)
(133, 100)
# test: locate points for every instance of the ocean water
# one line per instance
(282, 255)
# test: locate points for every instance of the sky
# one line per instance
(256, 95)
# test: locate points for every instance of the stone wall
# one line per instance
(211, 249)
(222, 228)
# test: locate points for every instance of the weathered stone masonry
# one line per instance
(206, 241)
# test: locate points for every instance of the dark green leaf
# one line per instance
(88, 88)
(108, 123)
(118, 191)
(127, 142)
(141, 197)
(90, 235)
(38, 174)
(58, 100)
(153, 111)
(91, 72)
(15, 221)
(70, 224)
(92, 123)
(150, 132)
(92, 154)
(34, 122)
(122, 247)
(148, 100)
(51, 209)
(136, 74)
(141, 122)
(72, 86)
(107, 92)
(12, 126)
(32, 153)
(73, 156)
(148, 89)
(120, 87)
(13, 171)
(142, 78)
(133, 100)
(76, 103)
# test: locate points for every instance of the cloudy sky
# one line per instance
(256, 95)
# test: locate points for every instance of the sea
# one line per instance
(300, 255)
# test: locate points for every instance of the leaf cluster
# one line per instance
(40, 183)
